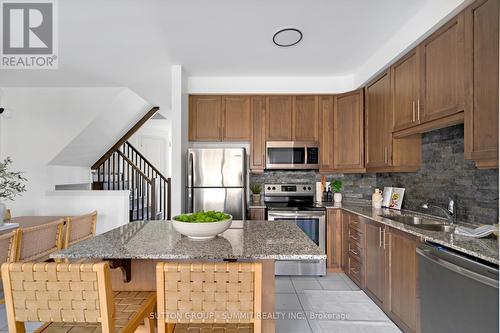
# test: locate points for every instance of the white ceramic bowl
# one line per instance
(202, 230)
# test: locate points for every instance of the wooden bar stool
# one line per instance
(209, 297)
(79, 228)
(7, 251)
(76, 297)
(36, 243)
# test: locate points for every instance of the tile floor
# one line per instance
(332, 303)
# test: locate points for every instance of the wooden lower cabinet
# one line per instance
(334, 238)
(375, 263)
(402, 293)
(257, 213)
(382, 261)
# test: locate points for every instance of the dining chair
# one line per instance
(209, 297)
(7, 251)
(37, 242)
(76, 297)
(79, 228)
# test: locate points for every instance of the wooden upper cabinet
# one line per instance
(375, 262)
(279, 118)
(235, 118)
(378, 122)
(205, 118)
(481, 117)
(442, 72)
(402, 305)
(326, 133)
(305, 118)
(258, 134)
(406, 90)
(348, 137)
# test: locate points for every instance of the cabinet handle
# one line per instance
(385, 155)
(379, 236)
(418, 109)
(383, 237)
(413, 109)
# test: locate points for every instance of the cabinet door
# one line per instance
(375, 267)
(236, 118)
(334, 238)
(406, 90)
(345, 240)
(402, 302)
(326, 133)
(205, 118)
(442, 72)
(481, 122)
(305, 118)
(279, 118)
(348, 132)
(378, 122)
(257, 214)
(258, 134)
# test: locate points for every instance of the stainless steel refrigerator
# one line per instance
(216, 180)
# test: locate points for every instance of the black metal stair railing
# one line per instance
(127, 169)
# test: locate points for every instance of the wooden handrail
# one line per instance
(145, 159)
(124, 138)
(132, 164)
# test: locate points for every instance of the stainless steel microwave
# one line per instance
(292, 155)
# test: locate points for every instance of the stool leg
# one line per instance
(150, 324)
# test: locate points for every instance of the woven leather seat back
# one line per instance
(54, 292)
(208, 292)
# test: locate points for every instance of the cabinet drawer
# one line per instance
(354, 223)
(354, 271)
(355, 235)
(355, 251)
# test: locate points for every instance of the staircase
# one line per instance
(123, 167)
(127, 169)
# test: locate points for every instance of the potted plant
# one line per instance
(256, 189)
(336, 186)
(11, 185)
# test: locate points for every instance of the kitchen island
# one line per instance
(135, 248)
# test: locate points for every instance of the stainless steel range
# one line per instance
(295, 202)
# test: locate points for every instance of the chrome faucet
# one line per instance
(450, 212)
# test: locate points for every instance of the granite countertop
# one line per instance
(246, 240)
(482, 248)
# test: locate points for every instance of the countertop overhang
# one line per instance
(245, 240)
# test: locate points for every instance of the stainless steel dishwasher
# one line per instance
(458, 294)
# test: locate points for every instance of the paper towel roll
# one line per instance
(319, 192)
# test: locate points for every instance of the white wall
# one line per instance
(158, 128)
(43, 122)
(112, 206)
(300, 85)
(179, 116)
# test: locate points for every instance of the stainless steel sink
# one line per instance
(421, 222)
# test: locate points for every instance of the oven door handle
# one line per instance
(295, 214)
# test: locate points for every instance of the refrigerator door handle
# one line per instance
(190, 200)
(190, 176)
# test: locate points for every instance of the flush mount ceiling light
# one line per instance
(287, 37)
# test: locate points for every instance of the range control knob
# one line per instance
(274, 188)
(269, 188)
(309, 188)
(304, 188)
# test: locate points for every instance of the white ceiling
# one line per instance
(234, 38)
(134, 43)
